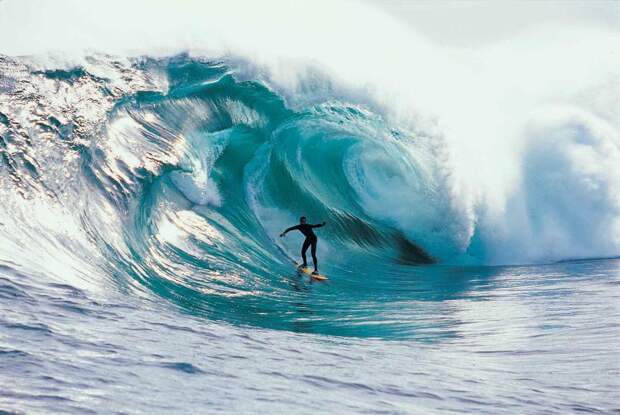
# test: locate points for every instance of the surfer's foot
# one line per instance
(303, 266)
(315, 272)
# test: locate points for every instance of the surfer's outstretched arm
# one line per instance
(318, 225)
(292, 228)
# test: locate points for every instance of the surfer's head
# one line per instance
(302, 220)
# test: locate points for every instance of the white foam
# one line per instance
(483, 101)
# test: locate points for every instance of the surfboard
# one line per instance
(308, 271)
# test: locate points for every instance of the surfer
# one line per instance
(311, 240)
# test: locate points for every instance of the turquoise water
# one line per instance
(141, 269)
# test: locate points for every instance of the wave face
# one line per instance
(176, 179)
(174, 176)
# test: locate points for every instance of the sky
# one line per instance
(475, 22)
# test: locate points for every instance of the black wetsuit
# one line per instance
(311, 240)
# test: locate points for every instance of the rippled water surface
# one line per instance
(539, 339)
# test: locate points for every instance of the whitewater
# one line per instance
(152, 152)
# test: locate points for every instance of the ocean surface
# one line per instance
(446, 340)
(471, 243)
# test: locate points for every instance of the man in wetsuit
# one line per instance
(311, 240)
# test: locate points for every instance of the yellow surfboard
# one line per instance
(308, 271)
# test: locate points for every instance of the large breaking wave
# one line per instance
(174, 172)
